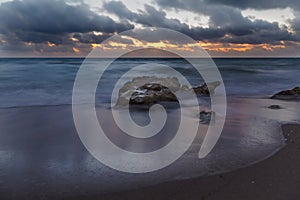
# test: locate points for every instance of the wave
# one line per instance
(245, 70)
(35, 106)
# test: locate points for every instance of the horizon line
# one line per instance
(79, 57)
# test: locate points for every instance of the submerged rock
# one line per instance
(287, 94)
(151, 93)
(275, 107)
(206, 116)
(206, 88)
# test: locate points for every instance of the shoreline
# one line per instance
(277, 177)
(55, 164)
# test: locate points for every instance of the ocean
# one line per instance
(41, 151)
(39, 81)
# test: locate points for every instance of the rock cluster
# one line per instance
(149, 90)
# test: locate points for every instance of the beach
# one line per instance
(33, 171)
(42, 157)
(277, 177)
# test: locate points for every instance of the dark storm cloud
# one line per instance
(225, 21)
(53, 21)
(90, 37)
(157, 18)
(199, 5)
(252, 4)
(227, 15)
(149, 17)
(219, 15)
(256, 4)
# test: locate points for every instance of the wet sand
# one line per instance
(277, 177)
(42, 157)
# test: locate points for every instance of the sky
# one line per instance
(224, 28)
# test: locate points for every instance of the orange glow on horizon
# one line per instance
(76, 50)
(74, 39)
(184, 47)
(28, 43)
(51, 44)
(220, 47)
(188, 47)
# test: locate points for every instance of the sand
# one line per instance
(277, 177)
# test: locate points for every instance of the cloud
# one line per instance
(89, 38)
(256, 4)
(54, 17)
(156, 18)
(201, 5)
(226, 14)
(58, 25)
(36, 23)
(149, 17)
(226, 24)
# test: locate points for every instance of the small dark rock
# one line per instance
(275, 107)
(206, 116)
(206, 88)
(287, 94)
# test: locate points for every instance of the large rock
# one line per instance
(132, 89)
(206, 88)
(151, 93)
(288, 94)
